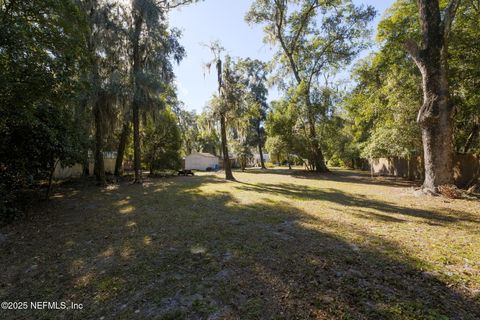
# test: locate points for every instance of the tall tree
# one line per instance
(436, 114)
(282, 139)
(107, 73)
(162, 141)
(42, 52)
(96, 22)
(221, 104)
(187, 122)
(151, 69)
(254, 73)
(308, 47)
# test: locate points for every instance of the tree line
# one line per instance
(77, 75)
(415, 96)
(80, 77)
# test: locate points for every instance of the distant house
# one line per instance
(255, 160)
(77, 170)
(201, 161)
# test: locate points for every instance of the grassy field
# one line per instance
(273, 245)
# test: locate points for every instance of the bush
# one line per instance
(335, 162)
(269, 165)
(162, 142)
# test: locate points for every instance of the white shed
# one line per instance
(201, 161)
(255, 160)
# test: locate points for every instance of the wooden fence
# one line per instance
(466, 168)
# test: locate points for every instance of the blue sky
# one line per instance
(222, 20)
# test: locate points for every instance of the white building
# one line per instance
(255, 160)
(109, 160)
(201, 161)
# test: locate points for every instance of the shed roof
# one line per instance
(203, 154)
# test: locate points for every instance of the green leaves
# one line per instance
(313, 36)
(384, 104)
(41, 56)
(162, 142)
(315, 39)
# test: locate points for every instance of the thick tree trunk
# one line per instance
(226, 158)
(121, 147)
(99, 167)
(438, 152)
(260, 151)
(318, 161)
(435, 115)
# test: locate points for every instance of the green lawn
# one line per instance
(274, 245)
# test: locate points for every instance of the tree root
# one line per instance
(423, 191)
(474, 189)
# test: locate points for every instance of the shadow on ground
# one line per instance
(299, 192)
(167, 250)
(347, 176)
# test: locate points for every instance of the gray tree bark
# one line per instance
(436, 114)
(223, 128)
(226, 159)
(260, 151)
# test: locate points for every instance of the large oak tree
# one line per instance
(436, 114)
(314, 37)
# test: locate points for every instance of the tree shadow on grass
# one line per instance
(178, 253)
(342, 175)
(305, 193)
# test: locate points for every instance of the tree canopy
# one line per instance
(80, 78)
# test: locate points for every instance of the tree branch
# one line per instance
(167, 5)
(303, 24)
(450, 12)
(414, 51)
(279, 16)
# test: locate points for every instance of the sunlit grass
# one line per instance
(272, 244)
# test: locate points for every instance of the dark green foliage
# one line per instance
(41, 52)
(285, 132)
(163, 142)
(65, 64)
(465, 72)
(382, 108)
(314, 39)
